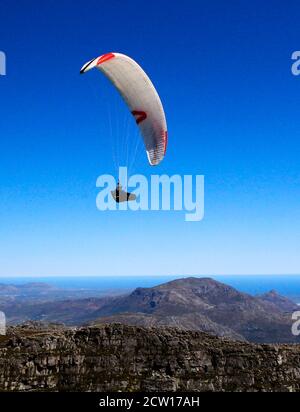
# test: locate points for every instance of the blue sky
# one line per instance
(223, 70)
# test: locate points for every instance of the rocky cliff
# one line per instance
(125, 358)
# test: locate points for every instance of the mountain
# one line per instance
(191, 321)
(190, 304)
(32, 294)
(70, 312)
(203, 304)
(33, 287)
(114, 358)
(280, 302)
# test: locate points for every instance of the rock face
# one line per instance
(124, 358)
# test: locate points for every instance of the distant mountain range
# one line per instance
(39, 292)
(189, 304)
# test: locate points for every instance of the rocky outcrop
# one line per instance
(124, 358)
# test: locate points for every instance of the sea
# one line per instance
(286, 285)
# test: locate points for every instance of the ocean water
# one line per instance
(287, 285)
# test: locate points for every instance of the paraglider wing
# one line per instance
(141, 97)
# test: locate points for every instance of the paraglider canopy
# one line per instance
(141, 98)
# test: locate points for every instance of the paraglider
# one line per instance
(120, 196)
(142, 99)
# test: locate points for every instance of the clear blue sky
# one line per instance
(223, 71)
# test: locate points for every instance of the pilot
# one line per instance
(120, 196)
